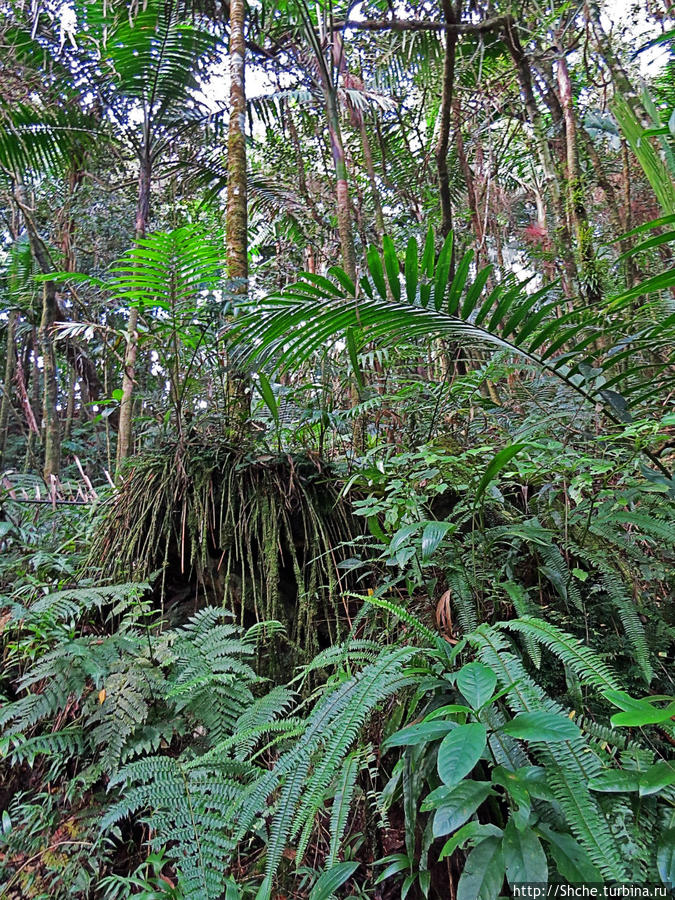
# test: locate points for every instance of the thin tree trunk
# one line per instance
(237, 209)
(442, 143)
(70, 408)
(51, 424)
(50, 416)
(543, 151)
(590, 280)
(10, 369)
(22, 391)
(469, 181)
(124, 433)
(370, 169)
(345, 228)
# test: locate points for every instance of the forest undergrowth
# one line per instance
(337, 491)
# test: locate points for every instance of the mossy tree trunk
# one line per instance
(237, 211)
(124, 434)
(589, 276)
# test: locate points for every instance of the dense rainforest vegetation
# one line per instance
(337, 448)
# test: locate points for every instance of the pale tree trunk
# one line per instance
(343, 211)
(70, 408)
(370, 169)
(469, 181)
(543, 152)
(124, 432)
(237, 210)
(10, 369)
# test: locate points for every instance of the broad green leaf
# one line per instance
(657, 777)
(475, 291)
(665, 857)
(524, 857)
(472, 831)
(377, 272)
(513, 784)
(417, 734)
(458, 283)
(549, 728)
(354, 357)
(231, 890)
(477, 683)
(646, 714)
(344, 279)
(459, 804)
(443, 271)
(483, 873)
(391, 266)
(432, 536)
(495, 466)
(330, 880)
(428, 254)
(408, 882)
(411, 270)
(402, 536)
(460, 751)
(398, 862)
(624, 701)
(572, 861)
(265, 889)
(268, 396)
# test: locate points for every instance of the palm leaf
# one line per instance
(289, 327)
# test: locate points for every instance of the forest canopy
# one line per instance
(337, 448)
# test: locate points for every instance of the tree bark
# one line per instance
(10, 369)
(343, 211)
(124, 432)
(442, 143)
(50, 416)
(543, 151)
(469, 181)
(50, 421)
(370, 169)
(590, 278)
(237, 209)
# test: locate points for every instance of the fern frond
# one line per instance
(581, 659)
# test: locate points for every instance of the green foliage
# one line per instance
(291, 326)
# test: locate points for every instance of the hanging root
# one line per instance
(263, 536)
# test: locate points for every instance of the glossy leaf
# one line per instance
(460, 751)
(477, 683)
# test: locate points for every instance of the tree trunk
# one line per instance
(50, 417)
(469, 181)
(370, 169)
(590, 278)
(342, 187)
(10, 369)
(129, 374)
(543, 152)
(50, 421)
(237, 210)
(442, 143)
